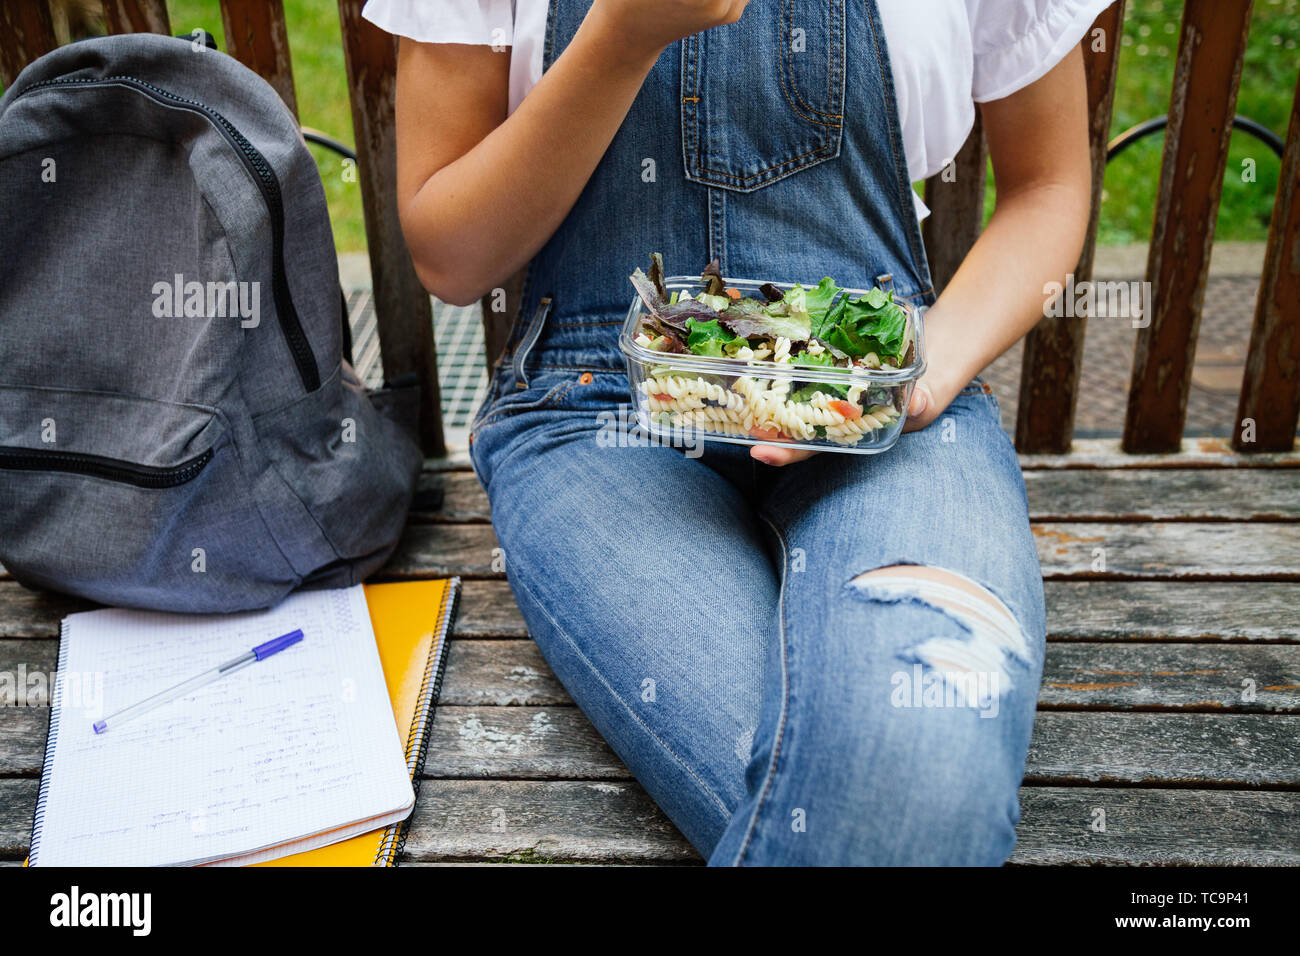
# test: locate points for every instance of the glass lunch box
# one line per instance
(680, 398)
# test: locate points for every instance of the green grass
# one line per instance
(1145, 76)
(1150, 43)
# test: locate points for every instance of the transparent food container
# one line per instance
(680, 398)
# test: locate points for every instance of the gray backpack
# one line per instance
(178, 429)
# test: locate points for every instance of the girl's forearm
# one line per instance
(996, 296)
(480, 218)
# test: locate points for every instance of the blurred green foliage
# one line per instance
(1146, 69)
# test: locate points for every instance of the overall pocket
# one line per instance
(763, 98)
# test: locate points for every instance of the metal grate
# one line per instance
(458, 337)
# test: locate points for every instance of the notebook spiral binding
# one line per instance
(417, 745)
(56, 701)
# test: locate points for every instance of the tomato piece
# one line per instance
(733, 294)
(848, 409)
(663, 396)
(766, 434)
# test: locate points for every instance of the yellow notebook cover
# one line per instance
(412, 622)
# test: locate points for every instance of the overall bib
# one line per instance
(702, 610)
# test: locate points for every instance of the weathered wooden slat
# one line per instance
(461, 499)
(1170, 611)
(490, 673)
(1076, 610)
(1174, 550)
(1196, 749)
(1085, 454)
(17, 802)
(454, 460)
(1250, 750)
(956, 200)
(1192, 494)
(22, 740)
(26, 34)
(26, 674)
(403, 310)
(1092, 453)
(1270, 393)
(1053, 352)
(534, 743)
(1247, 750)
(522, 821)
(1156, 827)
(435, 550)
(1206, 75)
(615, 822)
(525, 821)
(1226, 678)
(257, 37)
(1238, 678)
(138, 16)
(488, 609)
(28, 613)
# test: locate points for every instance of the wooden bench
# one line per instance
(1170, 706)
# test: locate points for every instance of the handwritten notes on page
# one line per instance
(288, 749)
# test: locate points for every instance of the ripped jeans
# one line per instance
(835, 662)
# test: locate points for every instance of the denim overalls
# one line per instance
(703, 610)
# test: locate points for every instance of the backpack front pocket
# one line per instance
(131, 501)
(763, 98)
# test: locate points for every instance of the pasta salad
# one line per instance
(801, 364)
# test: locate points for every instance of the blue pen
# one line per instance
(260, 653)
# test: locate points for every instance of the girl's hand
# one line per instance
(921, 411)
(647, 26)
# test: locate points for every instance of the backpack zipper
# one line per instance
(256, 163)
(142, 476)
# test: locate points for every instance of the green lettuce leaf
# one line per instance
(804, 358)
(808, 390)
(812, 304)
(708, 338)
(872, 322)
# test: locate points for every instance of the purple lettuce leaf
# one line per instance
(712, 277)
(750, 318)
(657, 275)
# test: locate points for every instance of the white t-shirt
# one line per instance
(946, 55)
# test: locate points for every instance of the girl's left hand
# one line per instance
(921, 411)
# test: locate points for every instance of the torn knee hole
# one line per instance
(939, 587)
(990, 631)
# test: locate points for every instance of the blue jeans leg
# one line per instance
(643, 578)
(896, 715)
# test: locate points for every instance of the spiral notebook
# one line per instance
(307, 758)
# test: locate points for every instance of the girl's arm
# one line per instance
(1038, 140)
(480, 193)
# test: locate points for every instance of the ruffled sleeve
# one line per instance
(1015, 42)
(489, 22)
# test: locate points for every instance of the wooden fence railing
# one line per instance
(1206, 78)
